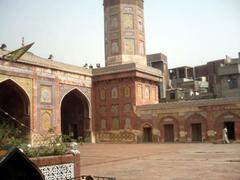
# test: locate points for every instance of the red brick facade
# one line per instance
(115, 97)
(200, 120)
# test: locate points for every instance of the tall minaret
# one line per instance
(124, 32)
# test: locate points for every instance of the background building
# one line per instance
(229, 75)
(159, 61)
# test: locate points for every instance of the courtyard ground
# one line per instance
(162, 161)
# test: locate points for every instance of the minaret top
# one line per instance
(124, 32)
(107, 3)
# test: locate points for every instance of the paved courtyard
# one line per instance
(162, 161)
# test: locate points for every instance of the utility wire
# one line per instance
(14, 119)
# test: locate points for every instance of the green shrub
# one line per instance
(11, 136)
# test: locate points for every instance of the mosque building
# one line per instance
(124, 102)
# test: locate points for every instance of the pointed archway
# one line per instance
(14, 106)
(75, 115)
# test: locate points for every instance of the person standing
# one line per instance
(225, 136)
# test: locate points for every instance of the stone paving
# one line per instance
(162, 161)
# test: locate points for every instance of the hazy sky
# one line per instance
(189, 32)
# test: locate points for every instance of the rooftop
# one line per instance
(191, 103)
(32, 59)
(126, 68)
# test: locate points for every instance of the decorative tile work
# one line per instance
(61, 172)
(168, 119)
(129, 46)
(102, 94)
(114, 21)
(103, 124)
(118, 137)
(114, 93)
(115, 47)
(127, 92)
(115, 109)
(129, 33)
(128, 123)
(128, 9)
(42, 139)
(46, 94)
(46, 116)
(128, 21)
(147, 92)
(139, 91)
(127, 108)
(115, 123)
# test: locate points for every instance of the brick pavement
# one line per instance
(162, 161)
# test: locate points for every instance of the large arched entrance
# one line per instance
(14, 106)
(75, 115)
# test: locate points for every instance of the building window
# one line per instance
(114, 22)
(139, 91)
(232, 82)
(102, 94)
(114, 93)
(115, 124)
(172, 95)
(128, 21)
(147, 93)
(129, 46)
(103, 124)
(127, 92)
(128, 123)
(114, 47)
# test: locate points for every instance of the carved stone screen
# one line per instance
(58, 172)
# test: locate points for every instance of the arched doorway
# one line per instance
(196, 126)
(14, 106)
(169, 129)
(75, 115)
(230, 121)
(147, 133)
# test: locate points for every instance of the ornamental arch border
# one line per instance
(85, 98)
